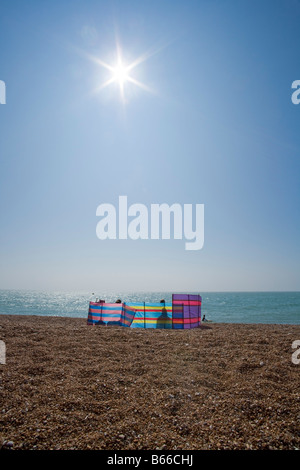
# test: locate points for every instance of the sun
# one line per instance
(121, 73)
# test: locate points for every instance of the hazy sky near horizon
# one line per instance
(215, 126)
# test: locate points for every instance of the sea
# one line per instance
(218, 307)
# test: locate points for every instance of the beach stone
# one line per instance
(8, 445)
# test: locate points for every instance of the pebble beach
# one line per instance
(66, 385)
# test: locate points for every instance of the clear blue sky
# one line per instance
(220, 130)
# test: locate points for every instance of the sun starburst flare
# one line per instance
(121, 73)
